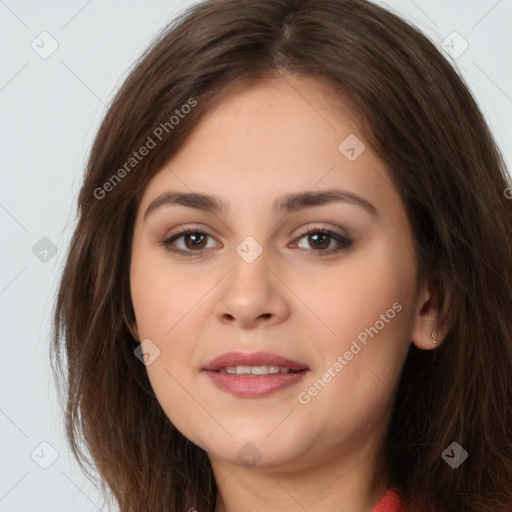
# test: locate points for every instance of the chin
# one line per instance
(255, 449)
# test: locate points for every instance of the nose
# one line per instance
(252, 294)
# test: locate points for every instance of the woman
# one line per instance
(289, 286)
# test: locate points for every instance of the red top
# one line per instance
(390, 502)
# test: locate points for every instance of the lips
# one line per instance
(233, 359)
(254, 375)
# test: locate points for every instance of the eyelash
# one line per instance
(344, 241)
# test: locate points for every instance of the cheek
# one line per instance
(363, 288)
(167, 302)
(162, 293)
(164, 302)
(367, 306)
(172, 386)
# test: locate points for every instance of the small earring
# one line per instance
(434, 336)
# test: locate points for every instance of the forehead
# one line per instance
(302, 93)
(288, 123)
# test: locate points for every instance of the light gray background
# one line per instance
(50, 109)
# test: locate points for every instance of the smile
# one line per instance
(253, 371)
(254, 375)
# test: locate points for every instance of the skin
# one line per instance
(260, 143)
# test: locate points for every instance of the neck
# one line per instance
(341, 484)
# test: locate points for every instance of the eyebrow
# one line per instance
(287, 204)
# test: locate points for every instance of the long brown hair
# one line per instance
(420, 118)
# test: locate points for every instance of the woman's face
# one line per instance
(341, 305)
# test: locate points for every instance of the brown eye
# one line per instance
(194, 242)
(320, 241)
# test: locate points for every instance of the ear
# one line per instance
(428, 317)
(135, 330)
(132, 325)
